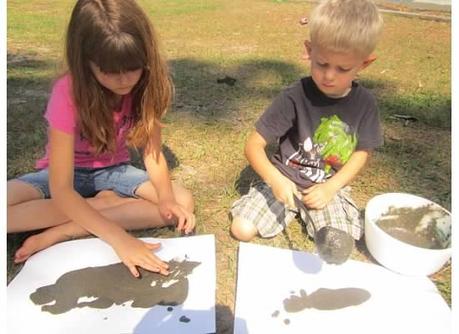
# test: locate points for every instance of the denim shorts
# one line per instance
(123, 179)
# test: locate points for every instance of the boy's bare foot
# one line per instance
(45, 239)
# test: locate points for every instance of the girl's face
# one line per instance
(119, 83)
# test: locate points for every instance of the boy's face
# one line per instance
(333, 72)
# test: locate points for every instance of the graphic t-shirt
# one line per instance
(61, 114)
(317, 134)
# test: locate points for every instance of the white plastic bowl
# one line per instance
(397, 255)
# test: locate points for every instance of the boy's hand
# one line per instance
(136, 253)
(283, 190)
(318, 195)
(186, 220)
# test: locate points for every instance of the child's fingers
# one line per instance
(193, 223)
(190, 223)
(289, 200)
(181, 219)
(181, 222)
(315, 202)
(152, 262)
(154, 246)
(20, 256)
(163, 272)
(155, 268)
(132, 268)
(310, 195)
(309, 200)
(156, 264)
(308, 190)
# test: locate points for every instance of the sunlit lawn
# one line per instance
(259, 43)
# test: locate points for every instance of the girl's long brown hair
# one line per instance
(117, 36)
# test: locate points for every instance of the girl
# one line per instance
(114, 93)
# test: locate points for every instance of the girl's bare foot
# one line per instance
(46, 239)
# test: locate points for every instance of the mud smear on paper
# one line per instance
(326, 299)
(102, 287)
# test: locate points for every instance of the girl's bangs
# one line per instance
(119, 54)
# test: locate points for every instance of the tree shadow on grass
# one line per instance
(246, 179)
(29, 78)
(197, 91)
(171, 158)
(429, 108)
(28, 84)
(212, 91)
(27, 60)
(248, 176)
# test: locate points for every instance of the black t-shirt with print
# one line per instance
(294, 120)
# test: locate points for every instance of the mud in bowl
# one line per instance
(408, 234)
(427, 226)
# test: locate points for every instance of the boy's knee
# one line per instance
(243, 230)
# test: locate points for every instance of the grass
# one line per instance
(209, 122)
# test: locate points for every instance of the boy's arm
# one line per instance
(158, 171)
(318, 195)
(282, 187)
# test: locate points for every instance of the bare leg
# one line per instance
(131, 215)
(128, 215)
(28, 211)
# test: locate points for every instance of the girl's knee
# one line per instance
(108, 199)
(19, 192)
(184, 197)
(106, 194)
(242, 229)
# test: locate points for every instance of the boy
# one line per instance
(326, 126)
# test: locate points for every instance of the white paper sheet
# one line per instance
(45, 267)
(393, 303)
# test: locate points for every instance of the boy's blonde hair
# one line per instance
(346, 25)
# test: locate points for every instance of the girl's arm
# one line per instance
(158, 171)
(318, 195)
(283, 188)
(132, 252)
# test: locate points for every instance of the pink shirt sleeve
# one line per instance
(60, 112)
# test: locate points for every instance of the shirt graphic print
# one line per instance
(330, 148)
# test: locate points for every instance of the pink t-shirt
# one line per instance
(61, 115)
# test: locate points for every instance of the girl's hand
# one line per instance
(186, 220)
(136, 253)
(318, 195)
(283, 190)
